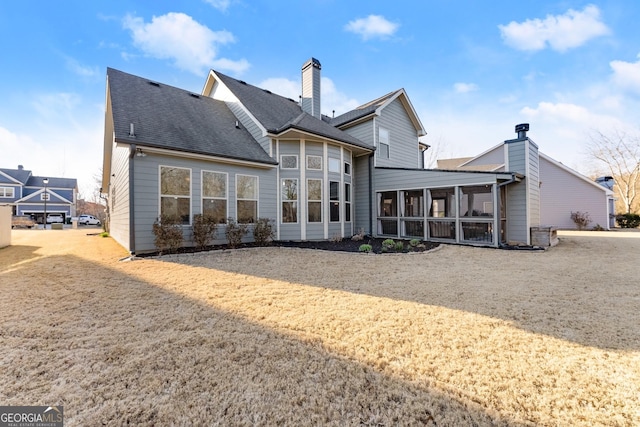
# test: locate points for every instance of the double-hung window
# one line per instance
(383, 143)
(175, 193)
(314, 200)
(247, 198)
(334, 201)
(214, 195)
(289, 200)
(6, 192)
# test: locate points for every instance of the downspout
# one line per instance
(132, 223)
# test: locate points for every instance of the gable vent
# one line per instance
(154, 84)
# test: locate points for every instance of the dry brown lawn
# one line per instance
(278, 336)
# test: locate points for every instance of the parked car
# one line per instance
(22, 221)
(53, 218)
(88, 220)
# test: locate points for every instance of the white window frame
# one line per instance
(257, 195)
(347, 168)
(190, 196)
(288, 155)
(295, 202)
(315, 201)
(347, 202)
(386, 141)
(309, 157)
(331, 201)
(4, 192)
(333, 165)
(226, 192)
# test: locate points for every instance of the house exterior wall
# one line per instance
(404, 150)
(562, 193)
(147, 194)
(118, 196)
(362, 194)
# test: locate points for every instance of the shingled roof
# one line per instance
(278, 114)
(164, 116)
(361, 111)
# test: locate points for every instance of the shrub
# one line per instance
(365, 248)
(104, 234)
(581, 219)
(628, 220)
(388, 245)
(235, 232)
(168, 232)
(598, 227)
(336, 238)
(263, 232)
(358, 237)
(414, 242)
(399, 246)
(204, 230)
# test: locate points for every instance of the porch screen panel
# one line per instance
(388, 213)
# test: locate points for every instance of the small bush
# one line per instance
(336, 238)
(399, 246)
(168, 232)
(414, 242)
(358, 237)
(263, 232)
(365, 248)
(235, 232)
(204, 230)
(388, 245)
(581, 219)
(598, 227)
(104, 234)
(628, 220)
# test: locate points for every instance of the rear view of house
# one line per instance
(238, 151)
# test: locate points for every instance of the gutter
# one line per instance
(132, 223)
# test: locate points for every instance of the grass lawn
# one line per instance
(458, 336)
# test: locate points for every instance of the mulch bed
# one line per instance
(345, 245)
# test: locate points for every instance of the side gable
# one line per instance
(36, 198)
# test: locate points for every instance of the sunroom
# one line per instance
(473, 213)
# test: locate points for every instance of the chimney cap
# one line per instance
(522, 127)
(312, 62)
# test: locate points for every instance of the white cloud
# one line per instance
(627, 74)
(192, 46)
(221, 5)
(331, 97)
(465, 87)
(82, 70)
(372, 26)
(561, 32)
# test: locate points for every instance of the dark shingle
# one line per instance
(167, 117)
(278, 114)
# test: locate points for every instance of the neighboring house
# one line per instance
(239, 151)
(27, 193)
(562, 189)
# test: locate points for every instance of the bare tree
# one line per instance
(620, 153)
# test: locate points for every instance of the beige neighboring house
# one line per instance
(5, 225)
(562, 189)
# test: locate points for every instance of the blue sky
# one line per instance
(472, 69)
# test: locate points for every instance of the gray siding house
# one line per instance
(236, 150)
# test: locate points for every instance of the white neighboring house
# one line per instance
(562, 189)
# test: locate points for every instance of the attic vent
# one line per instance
(195, 95)
(267, 91)
(243, 82)
(154, 84)
(291, 100)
